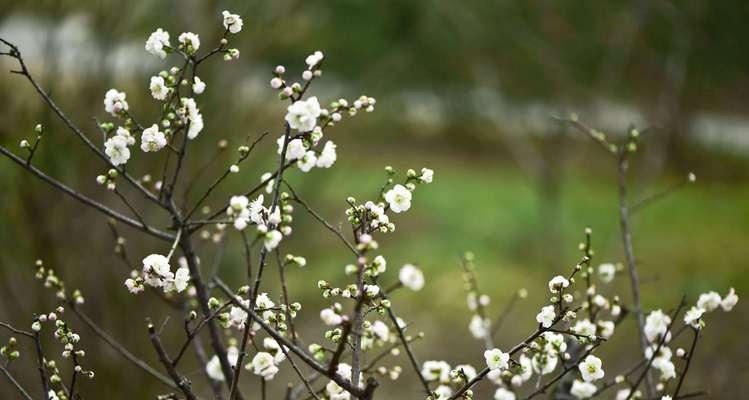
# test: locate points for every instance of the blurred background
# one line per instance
(466, 88)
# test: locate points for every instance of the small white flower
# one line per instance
(590, 368)
(606, 328)
(314, 59)
(544, 363)
(381, 330)
(467, 370)
(125, 134)
(546, 316)
(190, 112)
(116, 149)
(303, 114)
(156, 43)
(327, 156)
(479, 327)
(190, 39)
(436, 371)
(181, 279)
(622, 394)
(399, 198)
(729, 301)
(36, 326)
(263, 364)
(272, 239)
(371, 290)
(198, 86)
(52, 395)
(295, 149)
(238, 315)
(213, 367)
(666, 397)
(411, 277)
(276, 83)
(709, 301)
(496, 359)
(307, 161)
(584, 327)
(504, 394)
(156, 270)
(557, 283)
(158, 87)
(693, 317)
(582, 390)
(606, 272)
(232, 22)
(152, 139)
(427, 175)
(114, 102)
(668, 370)
(330, 318)
(133, 287)
(656, 324)
(443, 392)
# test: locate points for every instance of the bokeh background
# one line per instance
(466, 88)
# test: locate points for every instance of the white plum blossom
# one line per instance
(114, 102)
(479, 327)
(330, 318)
(295, 149)
(306, 162)
(656, 324)
(436, 371)
(427, 175)
(156, 42)
(544, 363)
(667, 369)
(557, 283)
(190, 39)
(411, 277)
(158, 87)
(606, 272)
(496, 359)
(116, 149)
(584, 327)
(314, 59)
(606, 328)
(126, 135)
(709, 301)
(546, 316)
(238, 315)
(729, 301)
(213, 367)
(371, 290)
(399, 198)
(264, 365)
(272, 239)
(623, 394)
(303, 114)
(198, 86)
(156, 270)
(152, 139)
(503, 394)
(190, 113)
(327, 156)
(693, 317)
(590, 369)
(179, 282)
(232, 22)
(582, 390)
(133, 286)
(381, 330)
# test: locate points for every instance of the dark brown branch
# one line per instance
(85, 200)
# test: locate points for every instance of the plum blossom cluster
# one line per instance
(253, 328)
